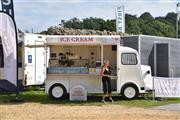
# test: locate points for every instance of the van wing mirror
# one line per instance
(148, 72)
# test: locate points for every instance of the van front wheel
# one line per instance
(129, 91)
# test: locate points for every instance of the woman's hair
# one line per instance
(105, 62)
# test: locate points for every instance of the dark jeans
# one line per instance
(106, 85)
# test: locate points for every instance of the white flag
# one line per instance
(120, 19)
(8, 38)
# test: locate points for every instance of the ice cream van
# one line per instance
(77, 60)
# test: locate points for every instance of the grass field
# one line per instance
(39, 96)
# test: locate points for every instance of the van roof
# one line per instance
(127, 49)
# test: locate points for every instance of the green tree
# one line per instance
(73, 23)
(147, 16)
(158, 28)
(110, 25)
(134, 26)
(145, 24)
(94, 23)
(171, 18)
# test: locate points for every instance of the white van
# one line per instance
(76, 60)
(31, 60)
(34, 59)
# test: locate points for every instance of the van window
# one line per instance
(129, 59)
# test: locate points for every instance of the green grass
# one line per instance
(39, 96)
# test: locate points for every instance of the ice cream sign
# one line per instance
(83, 40)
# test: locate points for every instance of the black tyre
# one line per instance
(57, 91)
(129, 91)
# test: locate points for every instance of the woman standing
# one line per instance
(105, 73)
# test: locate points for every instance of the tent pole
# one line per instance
(153, 92)
(102, 54)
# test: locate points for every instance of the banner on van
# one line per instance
(84, 40)
(7, 6)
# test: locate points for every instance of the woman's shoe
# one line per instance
(103, 101)
(111, 100)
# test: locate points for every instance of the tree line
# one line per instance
(144, 24)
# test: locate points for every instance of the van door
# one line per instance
(162, 60)
(29, 69)
(130, 68)
(131, 83)
(40, 65)
(35, 65)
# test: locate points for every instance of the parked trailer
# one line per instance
(74, 60)
(161, 53)
(31, 61)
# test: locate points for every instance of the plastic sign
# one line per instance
(7, 6)
(167, 87)
(78, 93)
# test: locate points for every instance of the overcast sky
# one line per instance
(41, 14)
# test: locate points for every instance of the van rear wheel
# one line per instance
(129, 91)
(57, 91)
